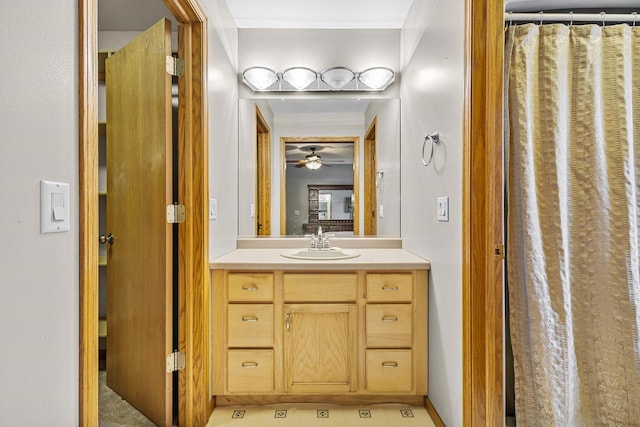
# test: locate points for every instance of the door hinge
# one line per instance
(176, 361)
(175, 214)
(498, 251)
(175, 66)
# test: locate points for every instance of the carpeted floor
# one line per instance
(115, 412)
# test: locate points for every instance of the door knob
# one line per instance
(108, 238)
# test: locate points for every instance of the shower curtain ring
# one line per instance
(435, 139)
(603, 14)
(541, 17)
(571, 18)
(635, 16)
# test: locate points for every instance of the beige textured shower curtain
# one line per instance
(572, 99)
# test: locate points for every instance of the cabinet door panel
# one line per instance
(320, 352)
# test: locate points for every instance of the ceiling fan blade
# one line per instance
(300, 165)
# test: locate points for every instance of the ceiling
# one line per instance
(319, 14)
(138, 15)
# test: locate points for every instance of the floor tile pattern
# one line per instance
(312, 414)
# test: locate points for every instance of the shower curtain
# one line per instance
(572, 130)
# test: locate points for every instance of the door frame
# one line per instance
(195, 402)
(482, 275)
(262, 174)
(370, 159)
(355, 140)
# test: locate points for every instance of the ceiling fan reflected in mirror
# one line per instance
(312, 161)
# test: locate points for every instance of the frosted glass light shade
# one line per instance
(299, 77)
(376, 78)
(260, 77)
(337, 77)
(313, 165)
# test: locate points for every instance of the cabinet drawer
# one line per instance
(250, 371)
(250, 325)
(396, 287)
(246, 287)
(320, 287)
(389, 370)
(389, 325)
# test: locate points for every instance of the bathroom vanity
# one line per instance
(290, 330)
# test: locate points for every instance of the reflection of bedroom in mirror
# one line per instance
(318, 174)
(372, 128)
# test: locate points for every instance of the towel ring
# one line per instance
(435, 139)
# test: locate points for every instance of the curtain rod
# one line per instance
(571, 17)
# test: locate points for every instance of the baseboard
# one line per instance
(339, 399)
(433, 413)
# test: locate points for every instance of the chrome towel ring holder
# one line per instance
(435, 139)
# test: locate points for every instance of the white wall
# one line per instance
(38, 272)
(432, 100)
(223, 127)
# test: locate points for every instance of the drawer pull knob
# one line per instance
(249, 364)
(389, 364)
(389, 319)
(389, 288)
(250, 288)
(249, 319)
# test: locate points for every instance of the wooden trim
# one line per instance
(355, 140)
(262, 169)
(369, 165)
(340, 399)
(433, 413)
(196, 403)
(483, 389)
(88, 206)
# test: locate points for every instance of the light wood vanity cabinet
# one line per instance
(328, 335)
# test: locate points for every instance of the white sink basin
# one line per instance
(320, 254)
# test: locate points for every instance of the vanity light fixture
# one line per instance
(259, 78)
(299, 77)
(334, 79)
(376, 77)
(337, 77)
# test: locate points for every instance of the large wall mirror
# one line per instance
(295, 151)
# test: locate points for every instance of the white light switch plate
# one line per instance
(55, 209)
(213, 208)
(443, 208)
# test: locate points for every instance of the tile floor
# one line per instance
(313, 414)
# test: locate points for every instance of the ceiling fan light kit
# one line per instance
(303, 79)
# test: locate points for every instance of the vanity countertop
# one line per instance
(369, 259)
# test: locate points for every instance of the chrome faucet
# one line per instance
(320, 240)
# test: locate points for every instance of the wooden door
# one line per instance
(140, 260)
(263, 176)
(320, 348)
(370, 187)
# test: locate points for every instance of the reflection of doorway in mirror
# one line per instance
(263, 176)
(295, 213)
(324, 206)
(370, 190)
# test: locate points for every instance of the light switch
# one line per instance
(296, 212)
(54, 207)
(381, 211)
(443, 208)
(213, 208)
(253, 210)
